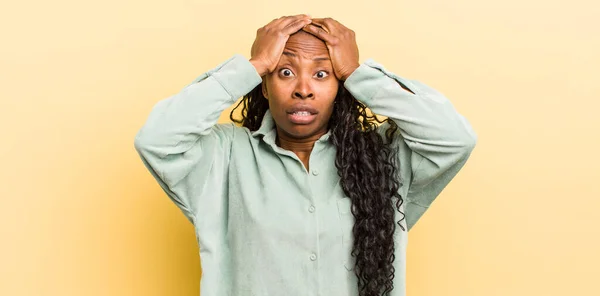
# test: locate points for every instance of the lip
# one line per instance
(302, 107)
(302, 119)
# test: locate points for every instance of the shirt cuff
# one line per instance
(369, 78)
(237, 76)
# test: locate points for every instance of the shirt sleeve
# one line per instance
(439, 138)
(181, 143)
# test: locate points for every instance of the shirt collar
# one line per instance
(267, 125)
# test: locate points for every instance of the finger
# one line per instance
(291, 19)
(295, 26)
(328, 24)
(319, 32)
(334, 22)
(275, 23)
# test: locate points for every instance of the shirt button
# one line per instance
(315, 172)
(311, 209)
(313, 256)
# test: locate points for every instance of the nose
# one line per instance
(303, 89)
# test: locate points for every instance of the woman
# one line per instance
(304, 198)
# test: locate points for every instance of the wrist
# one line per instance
(349, 72)
(261, 69)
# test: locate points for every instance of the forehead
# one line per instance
(305, 45)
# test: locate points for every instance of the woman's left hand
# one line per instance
(341, 43)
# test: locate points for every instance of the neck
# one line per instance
(301, 147)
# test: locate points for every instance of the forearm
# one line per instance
(175, 123)
(427, 120)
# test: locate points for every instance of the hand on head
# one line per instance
(341, 43)
(271, 39)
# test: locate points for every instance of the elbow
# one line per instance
(468, 143)
(141, 143)
(467, 137)
(146, 146)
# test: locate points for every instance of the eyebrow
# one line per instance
(287, 53)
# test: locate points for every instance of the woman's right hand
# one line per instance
(270, 41)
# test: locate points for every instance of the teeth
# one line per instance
(302, 113)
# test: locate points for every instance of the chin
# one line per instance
(301, 131)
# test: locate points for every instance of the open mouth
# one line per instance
(302, 113)
(302, 117)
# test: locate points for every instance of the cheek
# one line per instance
(329, 91)
(277, 89)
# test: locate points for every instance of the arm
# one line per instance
(181, 134)
(181, 144)
(440, 139)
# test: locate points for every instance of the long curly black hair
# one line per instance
(366, 164)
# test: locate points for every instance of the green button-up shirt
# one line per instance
(264, 224)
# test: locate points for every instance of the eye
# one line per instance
(285, 72)
(321, 74)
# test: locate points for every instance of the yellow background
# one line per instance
(80, 215)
